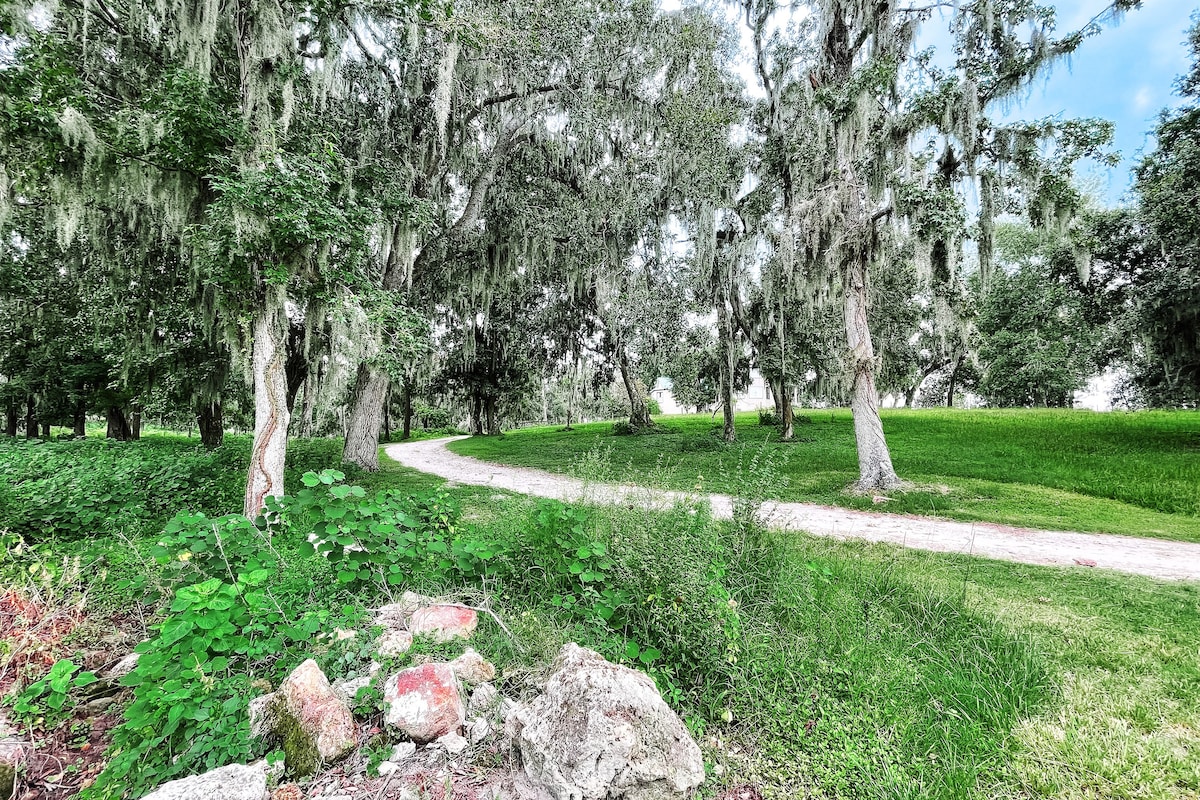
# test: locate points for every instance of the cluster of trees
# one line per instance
(305, 217)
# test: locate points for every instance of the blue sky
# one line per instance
(1125, 74)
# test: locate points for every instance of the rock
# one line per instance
(234, 782)
(453, 743)
(348, 689)
(96, 706)
(424, 702)
(386, 768)
(395, 615)
(13, 753)
(264, 717)
(122, 668)
(601, 730)
(316, 725)
(484, 702)
(472, 668)
(342, 634)
(403, 751)
(443, 622)
(393, 643)
(480, 730)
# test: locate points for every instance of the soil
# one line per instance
(1142, 556)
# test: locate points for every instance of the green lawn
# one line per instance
(849, 670)
(1130, 473)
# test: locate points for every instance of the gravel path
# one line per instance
(1153, 557)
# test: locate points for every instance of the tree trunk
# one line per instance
(387, 414)
(135, 426)
(777, 389)
(30, 418)
(953, 380)
(11, 418)
(493, 422)
(728, 364)
(118, 425)
(406, 409)
(639, 412)
(874, 461)
(312, 385)
(366, 418)
(210, 419)
(910, 396)
(79, 420)
(788, 427)
(476, 414)
(296, 364)
(267, 456)
(46, 431)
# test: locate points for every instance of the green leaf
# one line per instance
(310, 479)
(632, 650)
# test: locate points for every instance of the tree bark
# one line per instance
(387, 413)
(11, 418)
(46, 431)
(30, 418)
(118, 425)
(210, 419)
(787, 419)
(366, 418)
(493, 421)
(406, 409)
(79, 420)
(953, 380)
(271, 416)
(639, 412)
(874, 461)
(312, 384)
(135, 426)
(728, 365)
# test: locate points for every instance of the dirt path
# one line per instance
(1153, 557)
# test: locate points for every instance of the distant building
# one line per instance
(757, 396)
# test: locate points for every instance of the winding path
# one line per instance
(1152, 557)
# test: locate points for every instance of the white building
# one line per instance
(757, 396)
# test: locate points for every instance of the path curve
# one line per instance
(1152, 557)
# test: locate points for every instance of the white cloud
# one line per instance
(1143, 99)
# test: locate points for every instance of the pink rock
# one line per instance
(444, 622)
(314, 722)
(424, 702)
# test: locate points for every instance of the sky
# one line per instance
(1125, 74)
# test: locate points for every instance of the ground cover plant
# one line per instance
(1136, 474)
(804, 667)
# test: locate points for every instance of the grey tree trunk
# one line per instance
(11, 418)
(135, 425)
(788, 426)
(271, 416)
(312, 387)
(406, 409)
(366, 418)
(728, 365)
(639, 412)
(46, 430)
(874, 460)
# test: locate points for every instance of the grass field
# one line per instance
(855, 671)
(1135, 474)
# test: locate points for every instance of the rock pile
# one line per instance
(598, 731)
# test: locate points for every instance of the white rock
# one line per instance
(387, 768)
(348, 689)
(264, 716)
(473, 668)
(485, 700)
(453, 743)
(391, 643)
(480, 730)
(402, 751)
(601, 730)
(424, 702)
(122, 668)
(234, 782)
